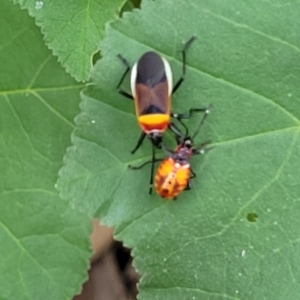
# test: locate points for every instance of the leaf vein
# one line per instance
(54, 111)
(247, 27)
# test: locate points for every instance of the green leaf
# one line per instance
(73, 29)
(234, 235)
(44, 244)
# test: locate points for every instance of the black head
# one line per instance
(188, 142)
(156, 139)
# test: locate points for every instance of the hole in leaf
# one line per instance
(251, 217)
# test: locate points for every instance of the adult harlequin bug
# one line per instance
(152, 87)
(174, 173)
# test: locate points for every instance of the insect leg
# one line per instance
(201, 149)
(152, 170)
(188, 186)
(177, 132)
(152, 161)
(139, 143)
(193, 175)
(144, 164)
(122, 92)
(185, 47)
(190, 113)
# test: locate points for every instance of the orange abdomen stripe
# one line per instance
(154, 122)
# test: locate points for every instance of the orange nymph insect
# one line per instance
(174, 173)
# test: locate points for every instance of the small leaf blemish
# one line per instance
(251, 217)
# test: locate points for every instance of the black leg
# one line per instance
(144, 164)
(122, 92)
(152, 170)
(185, 47)
(206, 113)
(139, 143)
(177, 132)
(189, 114)
(193, 174)
(188, 186)
(152, 161)
(179, 117)
(201, 149)
(168, 152)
